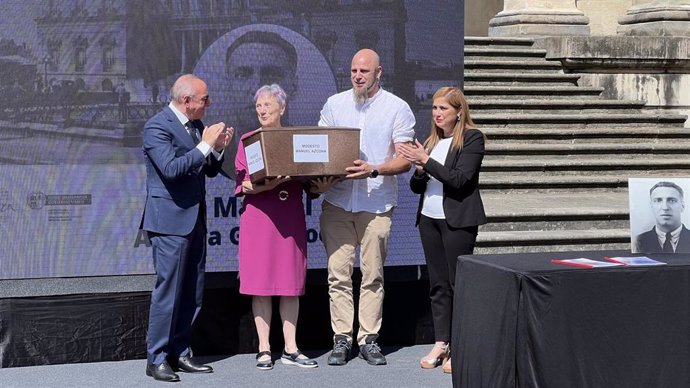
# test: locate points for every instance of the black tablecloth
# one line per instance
(521, 321)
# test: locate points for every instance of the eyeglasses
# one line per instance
(203, 99)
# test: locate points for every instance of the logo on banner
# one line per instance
(36, 200)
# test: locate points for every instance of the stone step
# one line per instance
(479, 78)
(587, 210)
(578, 164)
(478, 103)
(554, 220)
(552, 241)
(510, 92)
(534, 181)
(505, 54)
(641, 171)
(494, 65)
(520, 225)
(471, 41)
(530, 205)
(667, 147)
(583, 119)
(558, 157)
(558, 222)
(585, 134)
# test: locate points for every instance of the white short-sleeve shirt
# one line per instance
(384, 120)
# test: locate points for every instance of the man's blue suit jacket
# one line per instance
(175, 175)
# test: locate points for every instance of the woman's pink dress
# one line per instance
(273, 237)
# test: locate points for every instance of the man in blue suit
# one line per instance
(179, 153)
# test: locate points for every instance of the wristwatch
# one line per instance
(374, 173)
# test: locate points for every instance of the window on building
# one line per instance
(54, 45)
(80, 45)
(108, 44)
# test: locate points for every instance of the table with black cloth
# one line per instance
(520, 320)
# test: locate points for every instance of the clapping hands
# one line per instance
(218, 136)
(414, 153)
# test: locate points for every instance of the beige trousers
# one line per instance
(341, 232)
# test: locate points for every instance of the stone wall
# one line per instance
(653, 69)
(603, 14)
(478, 14)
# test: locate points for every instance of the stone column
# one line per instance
(539, 18)
(656, 18)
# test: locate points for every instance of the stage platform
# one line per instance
(238, 371)
(102, 319)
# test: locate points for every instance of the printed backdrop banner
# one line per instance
(72, 185)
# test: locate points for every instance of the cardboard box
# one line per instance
(303, 152)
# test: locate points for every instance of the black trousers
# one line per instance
(442, 245)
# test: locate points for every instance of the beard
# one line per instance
(360, 95)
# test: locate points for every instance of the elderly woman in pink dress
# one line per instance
(273, 240)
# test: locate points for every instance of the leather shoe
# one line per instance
(187, 364)
(162, 372)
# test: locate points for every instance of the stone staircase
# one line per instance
(558, 156)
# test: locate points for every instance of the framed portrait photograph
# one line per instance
(658, 217)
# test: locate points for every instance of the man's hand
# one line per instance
(217, 135)
(359, 170)
(224, 139)
(322, 184)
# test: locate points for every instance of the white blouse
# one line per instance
(433, 196)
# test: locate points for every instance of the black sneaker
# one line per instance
(341, 351)
(371, 353)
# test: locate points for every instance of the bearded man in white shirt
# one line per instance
(357, 211)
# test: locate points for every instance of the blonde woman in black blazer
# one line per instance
(450, 207)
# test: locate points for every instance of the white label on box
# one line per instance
(255, 159)
(310, 148)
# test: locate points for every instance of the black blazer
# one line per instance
(648, 242)
(462, 203)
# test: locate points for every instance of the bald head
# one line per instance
(367, 56)
(190, 96)
(183, 86)
(365, 74)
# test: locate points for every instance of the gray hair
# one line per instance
(183, 86)
(275, 90)
(667, 184)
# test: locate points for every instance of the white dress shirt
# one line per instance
(675, 236)
(204, 147)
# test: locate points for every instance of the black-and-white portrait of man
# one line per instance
(662, 229)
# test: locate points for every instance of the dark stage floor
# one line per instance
(402, 371)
